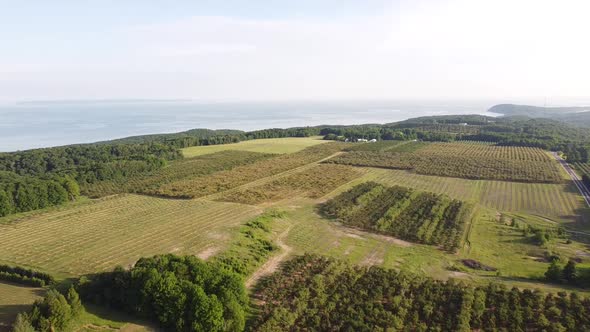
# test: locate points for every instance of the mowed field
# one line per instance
(118, 230)
(268, 145)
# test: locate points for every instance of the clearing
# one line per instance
(267, 145)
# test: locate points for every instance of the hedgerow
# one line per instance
(25, 276)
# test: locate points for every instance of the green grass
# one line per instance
(491, 243)
(268, 145)
(559, 201)
(118, 230)
(14, 299)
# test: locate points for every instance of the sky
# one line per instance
(293, 50)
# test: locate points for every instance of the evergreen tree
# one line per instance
(569, 272)
(22, 324)
(75, 303)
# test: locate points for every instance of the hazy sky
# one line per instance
(303, 49)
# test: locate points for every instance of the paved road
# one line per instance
(577, 180)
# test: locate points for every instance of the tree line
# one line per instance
(323, 294)
(25, 276)
(26, 193)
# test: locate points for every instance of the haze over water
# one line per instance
(43, 124)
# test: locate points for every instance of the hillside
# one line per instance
(579, 116)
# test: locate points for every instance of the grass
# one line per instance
(117, 231)
(14, 299)
(268, 145)
(560, 201)
(493, 244)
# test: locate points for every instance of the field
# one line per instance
(230, 188)
(117, 231)
(14, 299)
(313, 182)
(402, 212)
(268, 145)
(561, 201)
(463, 160)
(184, 170)
(225, 180)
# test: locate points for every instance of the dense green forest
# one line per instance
(179, 293)
(26, 193)
(314, 293)
(402, 212)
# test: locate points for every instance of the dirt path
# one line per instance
(273, 263)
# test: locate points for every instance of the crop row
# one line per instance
(474, 161)
(314, 182)
(402, 212)
(117, 231)
(177, 170)
(225, 180)
(478, 150)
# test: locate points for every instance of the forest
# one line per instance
(26, 193)
(179, 293)
(401, 212)
(323, 294)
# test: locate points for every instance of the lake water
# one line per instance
(39, 124)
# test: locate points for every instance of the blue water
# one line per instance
(44, 124)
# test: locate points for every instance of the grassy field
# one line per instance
(14, 299)
(118, 230)
(267, 145)
(517, 259)
(561, 201)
